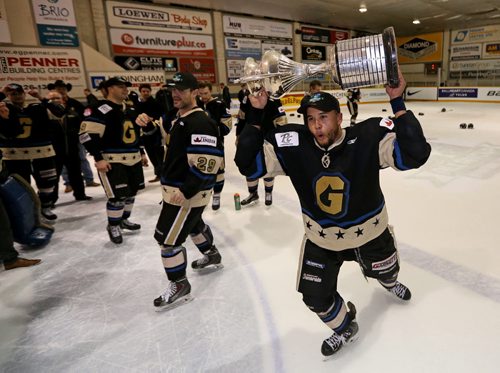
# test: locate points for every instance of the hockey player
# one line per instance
(217, 111)
(274, 116)
(110, 135)
(335, 173)
(353, 97)
(31, 152)
(188, 176)
(151, 140)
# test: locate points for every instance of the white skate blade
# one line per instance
(253, 203)
(179, 302)
(209, 269)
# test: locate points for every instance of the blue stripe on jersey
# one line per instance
(201, 175)
(259, 162)
(325, 223)
(165, 181)
(399, 157)
(94, 119)
(123, 150)
(203, 150)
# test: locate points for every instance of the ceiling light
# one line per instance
(416, 21)
(362, 8)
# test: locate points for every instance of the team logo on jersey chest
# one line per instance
(285, 139)
(331, 193)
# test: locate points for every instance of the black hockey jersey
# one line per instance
(35, 140)
(193, 155)
(217, 110)
(109, 132)
(339, 190)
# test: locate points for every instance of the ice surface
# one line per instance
(88, 306)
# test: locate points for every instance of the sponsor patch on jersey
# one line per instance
(312, 278)
(285, 139)
(314, 264)
(204, 140)
(84, 137)
(105, 108)
(87, 112)
(281, 109)
(386, 263)
(387, 123)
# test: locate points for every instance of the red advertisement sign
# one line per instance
(202, 68)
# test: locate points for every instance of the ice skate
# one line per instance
(269, 198)
(177, 293)
(210, 261)
(399, 290)
(334, 343)
(48, 214)
(128, 225)
(115, 233)
(216, 202)
(250, 200)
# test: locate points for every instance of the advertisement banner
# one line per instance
(37, 67)
(420, 48)
(312, 34)
(155, 78)
(56, 23)
(234, 69)
(491, 50)
(147, 63)
(465, 52)
(475, 65)
(421, 94)
(150, 17)
(285, 49)
(476, 74)
(489, 94)
(4, 25)
(457, 93)
(476, 35)
(243, 48)
(202, 68)
(154, 43)
(257, 28)
(313, 53)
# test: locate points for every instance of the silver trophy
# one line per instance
(359, 62)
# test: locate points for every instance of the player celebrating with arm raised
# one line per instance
(335, 173)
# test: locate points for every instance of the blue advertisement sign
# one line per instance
(243, 48)
(59, 36)
(458, 92)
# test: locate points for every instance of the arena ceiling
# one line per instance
(434, 15)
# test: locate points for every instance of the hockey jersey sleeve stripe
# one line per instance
(92, 127)
(259, 163)
(399, 157)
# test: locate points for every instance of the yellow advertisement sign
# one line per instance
(420, 48)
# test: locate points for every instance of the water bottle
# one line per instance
(237, 203)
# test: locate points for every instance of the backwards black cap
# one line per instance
(320, 100)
